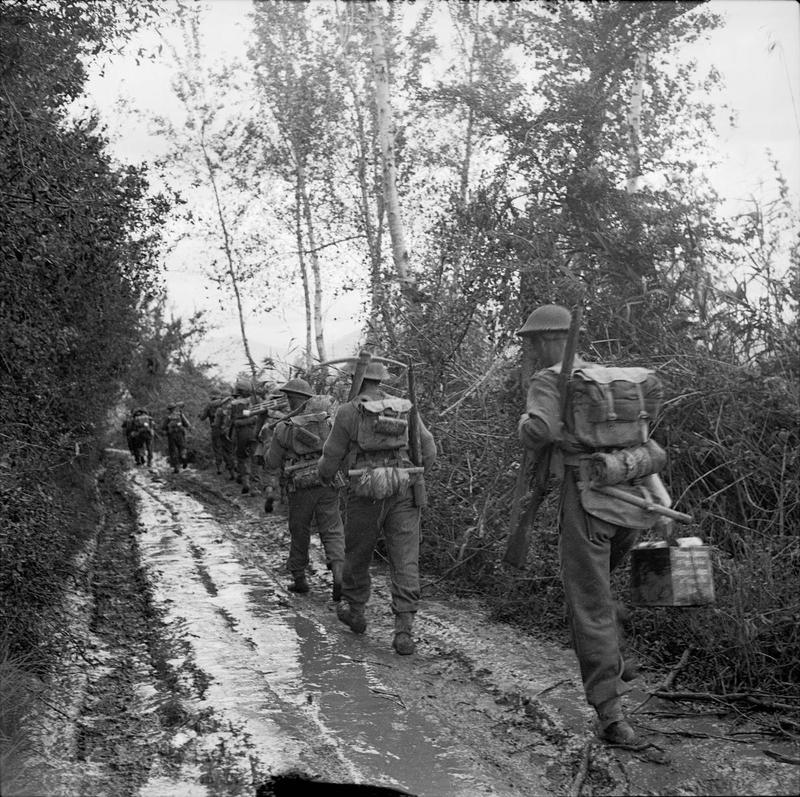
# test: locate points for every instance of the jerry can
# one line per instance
(674, 575)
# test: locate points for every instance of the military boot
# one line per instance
(403, 642)
(300, 583)
(352, 615)
(336, 572)
(614, 728)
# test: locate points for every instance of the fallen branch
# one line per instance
(551, 687)
(693, 734)
(785, 759)
(667, 682)
(389, 696)
(583, 770)
(747, 697)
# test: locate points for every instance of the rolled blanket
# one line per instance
(626, 464)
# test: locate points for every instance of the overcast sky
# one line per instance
(757, 51)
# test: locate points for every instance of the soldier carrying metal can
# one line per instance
(590, 427)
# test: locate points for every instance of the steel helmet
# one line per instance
(376, 371)
(243, 385)
(547, 318)
(299, 386)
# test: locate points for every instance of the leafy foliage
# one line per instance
(78, 247)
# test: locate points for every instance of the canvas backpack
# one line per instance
(613, 407)
(141, 421)
(307, 433)
(383, 425)
(174, 420)
(222, 415)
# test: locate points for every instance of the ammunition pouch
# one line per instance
(302, 478)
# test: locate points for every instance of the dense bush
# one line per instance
(77, 246)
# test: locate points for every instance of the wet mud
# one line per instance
(204, 675)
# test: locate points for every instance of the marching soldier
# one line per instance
(242, 430)
(293, 452)
(370, 436)
(595, 536)
(209, 412)
(175, 426)
(220, 427)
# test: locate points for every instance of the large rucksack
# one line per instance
(613, 407)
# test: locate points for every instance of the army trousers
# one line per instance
(244, 446)
(589, 550)
(398, 518)
(306, 505)
(176, 448)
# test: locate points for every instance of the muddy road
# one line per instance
(203, 675)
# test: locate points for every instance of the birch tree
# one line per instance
(296, 91)
(386, 133)
(199, 148)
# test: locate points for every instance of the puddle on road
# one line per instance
(275, 670)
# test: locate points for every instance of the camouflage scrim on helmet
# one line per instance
(547, 318)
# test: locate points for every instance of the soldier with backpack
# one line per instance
(139, 432)
(175, 426)
(209, 412)
(293, 452)
(220, 429)
(242, 430)
(605, 425)
(370, 437)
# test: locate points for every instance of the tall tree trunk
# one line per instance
(466, 163)
(319, 330)
(298, 228)
(634, 119)
(386, 132)
(228, 254)
(373, 230)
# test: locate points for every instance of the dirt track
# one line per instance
(203, 675)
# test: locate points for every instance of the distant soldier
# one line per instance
(175, 426)
(139, 431)
(242, 430)
(127, 425)
(370, 437)
(208, 413)
(596, 531)
(293, 452)
(220, 430)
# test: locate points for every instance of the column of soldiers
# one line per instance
(311, 454)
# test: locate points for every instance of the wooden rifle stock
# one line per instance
(531, 488)
(415, 443)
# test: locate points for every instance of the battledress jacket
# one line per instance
(343, 436)
(541, 425)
